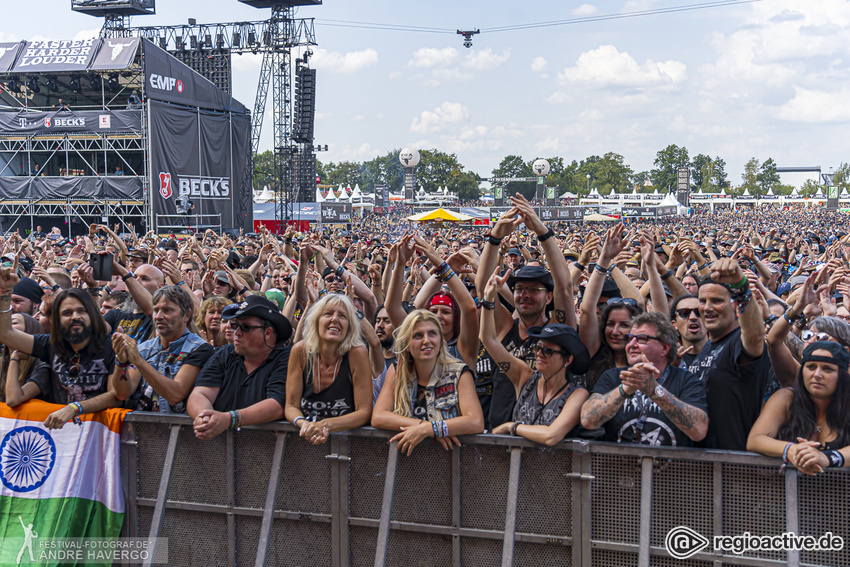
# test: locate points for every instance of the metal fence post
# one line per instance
(792, 518)
(386, 507)
(645, 511)
(271, 498)
(162, 495)
(511, 507)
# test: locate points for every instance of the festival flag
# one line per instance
(57, 483)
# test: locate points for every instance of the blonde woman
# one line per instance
(428, 394)
(329, 384)
(209, 321)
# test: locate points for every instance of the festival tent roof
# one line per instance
(596, 217)
(568, 195)
(356, 194)
(440, 215)
(319, 198)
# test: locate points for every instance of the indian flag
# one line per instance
(57, 483)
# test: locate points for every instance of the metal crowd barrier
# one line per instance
(264, 496)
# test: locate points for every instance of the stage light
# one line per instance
(32, 84)
(237, 39)
(219, 40)
(113, 83)
(51, 83)
(95, 82)
(193, 42)
(208, 41)
(75, 83)
(180, 44)
(252, 37)
(12, 85)
(163, 43)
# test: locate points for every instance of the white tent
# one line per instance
(265, 196)
(319, 198)
(331, 198)
(356, 195)
(669, 201)
(568, 195)
(343, 197)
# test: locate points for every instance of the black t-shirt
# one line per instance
(238, 389)
(735, 390)
(656, 427)
(420, 405)
(138, 326)
(58, 387)
(335, 400)
(504, 392)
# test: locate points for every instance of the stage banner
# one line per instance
(168, 79)
(56, 56)
(192, 156)
(336, 213)
(127, 187)
(635, 212)
(59, 121)
(115, 53)
(496, 212)
(560, 213)
(8, 52)
(666, 211)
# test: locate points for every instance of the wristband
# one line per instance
(493, 240)
(601, 270)
(785, 453)
(789, 319)
(623, 392)
(836, 459)
(128, 275)
(295, 421)
(740, 284)
(770, 320)
(56, 287)
(435, 429)
(700, 268)
(581, 267)
(514, 426)
(549, 234)
(488, 305)
(181, 283)
(339, 271)
(123, 364)
(667, 275)
(94, 290)
(266, 276)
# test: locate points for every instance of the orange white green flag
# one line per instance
(57, 483)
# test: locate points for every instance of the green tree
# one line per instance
(514, 166)
(640, 178)
(702, 172)
(345, 173)
(466, 186)
(809, 188)
(667, 162)
(613, 174)
(436, 169)
(767, 177)
(721, 179)
(842, 175)
(264, 170)
(750, 177)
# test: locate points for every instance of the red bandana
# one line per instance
(441, 299)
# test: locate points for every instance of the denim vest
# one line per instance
(167, 361)
(441, 392)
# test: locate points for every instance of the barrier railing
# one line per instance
(264, 496)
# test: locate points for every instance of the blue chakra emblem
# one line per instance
(27, 456)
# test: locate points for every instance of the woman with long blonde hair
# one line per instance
(428, 393)
(329, 378)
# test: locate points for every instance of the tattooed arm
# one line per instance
(691, 420)
(600, 408)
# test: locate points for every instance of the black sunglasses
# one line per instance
(641, 339)
(685, 312)
(74, 369)
(245, 328)
(547, 352)
(623, 301)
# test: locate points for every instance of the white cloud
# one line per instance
(347, 63)
(606, 66)
(539, 64)
(446, 113)
(817, 106)
(248, 62)
(584, 10)
(485, 59)
(358, 118)
(428, 57)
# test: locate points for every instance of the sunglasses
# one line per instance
(546, 351)
(807, 335)
(623, 301)
(331, 279)
(74, 368)
(245, 328)
(641, 339)
(685, 312)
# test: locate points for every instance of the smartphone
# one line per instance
(101, 263)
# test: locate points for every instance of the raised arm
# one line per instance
(727, 271)
(404, 250)
(589, 328)
(12, 338)
(506, 224)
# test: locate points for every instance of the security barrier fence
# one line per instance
(264, 496)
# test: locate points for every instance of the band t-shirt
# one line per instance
(71, 380)
(334, 400)
(735, 390)
(640, 420)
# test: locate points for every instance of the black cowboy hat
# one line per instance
(262, 308)
(532, 274)
(567, 338)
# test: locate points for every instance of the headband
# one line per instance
(441, 299)
(840, 357)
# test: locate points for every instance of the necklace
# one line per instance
(319, 373)
(546, 388)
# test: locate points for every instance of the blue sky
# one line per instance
(760, 79)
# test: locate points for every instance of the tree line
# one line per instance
(605, 173)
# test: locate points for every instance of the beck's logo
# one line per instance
(165, 184)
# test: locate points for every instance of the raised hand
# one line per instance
(494, 284)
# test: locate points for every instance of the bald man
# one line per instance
(134, 316)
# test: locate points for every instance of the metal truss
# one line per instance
(85, 210)
(274, 38)
(66, 145)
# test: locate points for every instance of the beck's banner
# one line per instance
(199, 155)
(61, 121)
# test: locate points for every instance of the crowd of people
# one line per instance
(725, 330)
